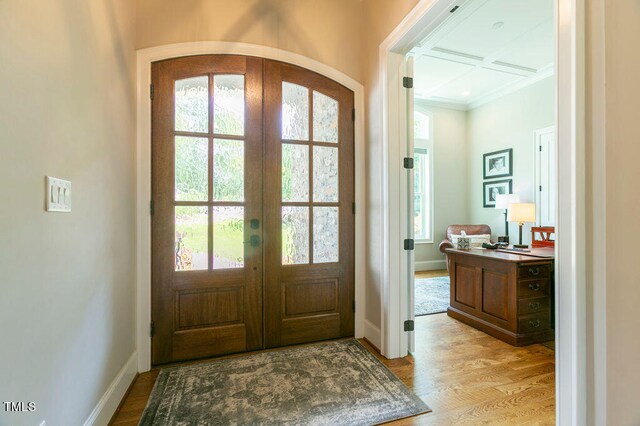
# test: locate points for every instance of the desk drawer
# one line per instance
(534, 323)
(533, 288)
(526, 272)
(533, 305)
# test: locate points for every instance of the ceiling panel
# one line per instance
(433, 73)
(477, 83)
(469, 53)
(476, 36)
(534, 50)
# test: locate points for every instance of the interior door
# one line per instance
(207, 206)
(309, 210)
(546, 176)
(407, 70)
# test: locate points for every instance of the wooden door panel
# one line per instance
(310, 329)
(207, 297)
(208, 307)
(200, 343)
(311, 299)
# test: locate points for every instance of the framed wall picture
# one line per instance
(493, 188)
(498, 164)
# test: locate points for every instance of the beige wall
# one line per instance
(622, 150)
(67, 280)
(329, 31)
(508, 122)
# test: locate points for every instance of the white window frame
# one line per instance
(426, 145)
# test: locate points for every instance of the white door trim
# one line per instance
(570, 271)
(143, 238)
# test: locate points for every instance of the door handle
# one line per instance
(534, 286)
(254, 240)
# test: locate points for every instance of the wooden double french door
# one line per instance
(252, 226)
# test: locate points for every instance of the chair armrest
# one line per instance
(445, 244)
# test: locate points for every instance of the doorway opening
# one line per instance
(483, 107)
(397, 299)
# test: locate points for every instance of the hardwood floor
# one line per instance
(463, 374)
(467, 376)
(432, 274)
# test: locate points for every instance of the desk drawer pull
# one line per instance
(534, 306)
(534, 324)
(534, 286)
(534, 271)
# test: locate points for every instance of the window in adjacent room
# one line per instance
(423, 200)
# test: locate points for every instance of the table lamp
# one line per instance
(502, 202)
(521, 213)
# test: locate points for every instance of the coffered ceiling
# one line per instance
(485, 49)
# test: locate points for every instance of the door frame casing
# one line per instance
(571, 306)
(143, 162)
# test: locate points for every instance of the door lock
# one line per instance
(254, 240)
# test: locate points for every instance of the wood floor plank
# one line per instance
(432, 274)
(464, 375)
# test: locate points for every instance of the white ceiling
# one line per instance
(485, 49)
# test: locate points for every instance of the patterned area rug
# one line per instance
(431, 295)
(333, 383)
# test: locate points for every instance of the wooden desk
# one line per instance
(503, 294)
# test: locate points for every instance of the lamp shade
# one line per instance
(522, 212)
(503, 200)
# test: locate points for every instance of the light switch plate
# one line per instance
(58, 195)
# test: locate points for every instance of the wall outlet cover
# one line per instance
(58, 195)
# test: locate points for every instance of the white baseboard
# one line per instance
(431, 265)
(372, 333)
(108, 404)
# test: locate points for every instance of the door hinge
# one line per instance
(454, 9)
(152, 328)
(151, 91)
(353, 114)
(354, 306)
(408, 163)
(353, 208)
(409, 325)
(540, 147)
(409, 244)
(152, 208)
(540, 188)
(407, 82)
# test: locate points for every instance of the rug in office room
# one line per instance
(431, 295)
(332, 383)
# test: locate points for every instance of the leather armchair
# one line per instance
(456, 230)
